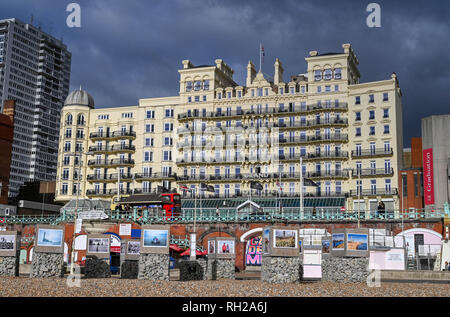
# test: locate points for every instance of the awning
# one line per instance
(175, 248)
(188, 252)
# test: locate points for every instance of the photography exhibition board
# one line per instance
(281, 241)
(98, 245)
(155, 239)
(347, 242)
(131, 249)
(49, 239)
(9, 243)
(222, 248)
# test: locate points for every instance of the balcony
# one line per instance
(372, 172)
(154, 176)
(106, 192)
(328, 107)
(372, 153)
(108, 178)
(327, 174)
(117, 148)
(374, 192)
(111, 163)
(340, 137)
(115, 135)
(330, 155)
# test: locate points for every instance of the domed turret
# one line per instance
(79, 98)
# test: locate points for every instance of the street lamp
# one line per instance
(77, 154)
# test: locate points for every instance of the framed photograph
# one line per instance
(50, 238)
(357, 242)
(325, 246)
(98, 245)
(225, 247)
(7, 242)
(156, 238)
(266, 239)
(285, 238)
(338, 241)
(134, 247)
(211, 247)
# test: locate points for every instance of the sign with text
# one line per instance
(125, 229)
(428, 177)
(253, 252)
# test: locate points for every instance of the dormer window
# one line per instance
(260, 92)
(189, 86)
(328, 74)
(338, 73)
(229, 95)
(317, 75)
(239, 94)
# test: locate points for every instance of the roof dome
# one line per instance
(79, 98)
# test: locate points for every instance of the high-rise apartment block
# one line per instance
(35, 72)
(324, 125)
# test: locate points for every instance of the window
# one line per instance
(204, 98)
(260, 92)
(372, 130)
(358, 149)
(387, 147)
(80, 120)
(357, 100)
(150, 114)
(148, 156)
(219, 95)
(281, 90)
(319, 89)
(385, 113)
(197, 98)
(358, 116)
(148, 141)
(387, 166)
(327, 88)
(386, 129)
(66, 160)
(373, 186)
(169, 113)
(127, 115)
(239, 94)
(372, 115)
(327, 74)
(388, 185)
(336, 87)
(189, 86)
(266, 91)
(292, 90)
(65, 175)
(167, 155)
(149, 128)
(167, 141)
(103, 117)
(338, 188)
(338, 73)
(197, 85)
(385, 96)
(67, 147)
(189, 99)
(358, 132)
(371, 98)
(68, 134)
(317, 75)
(64, 188)
(69, 119)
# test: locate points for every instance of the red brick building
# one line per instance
(411, 177)
(6, 141)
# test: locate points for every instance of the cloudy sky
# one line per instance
(127, 50)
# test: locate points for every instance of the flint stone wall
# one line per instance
(47, 265)
(345, 270)
(96, 268)
(9, 266)
(193, 270)
(220, 269)
(154, 267)
(277, 269)
(129, 269)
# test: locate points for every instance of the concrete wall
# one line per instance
(436, 135)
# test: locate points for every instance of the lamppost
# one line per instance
(77, 154)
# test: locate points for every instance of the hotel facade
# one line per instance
(324, 125)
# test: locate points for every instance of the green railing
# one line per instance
(229, 215)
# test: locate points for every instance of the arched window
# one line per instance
(69, 119)
(338, 73)
(318, 75)
(327, 74)
(80, 120)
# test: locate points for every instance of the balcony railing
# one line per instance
(111, 162)
(328, 174)
(115, 135)
(367, 172)
(372, 152)
(114, 148)
(328, 137)
(142, 176)
(107, 192)
(375, 192)
(109, 177)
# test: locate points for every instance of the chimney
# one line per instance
(347, 48)
(278, 77)
(187, 64)
(251, 73)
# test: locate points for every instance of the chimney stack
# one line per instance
(278, 77)
(251, 73)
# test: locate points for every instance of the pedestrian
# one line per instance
(314, 212)
(381, 209)
(446, 267)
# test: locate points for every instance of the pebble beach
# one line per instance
(57, 287)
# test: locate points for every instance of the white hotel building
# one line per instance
(344, 135)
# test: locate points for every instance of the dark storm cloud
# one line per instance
(126, 50)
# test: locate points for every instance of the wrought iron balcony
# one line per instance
(113, 148)
(375, 192)
(329, 155)
(108, 177)
(328, 174)
(372, 153)
(154, 176)
(371, 172)
(106, 192)
(328, 137)
(112, 162)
